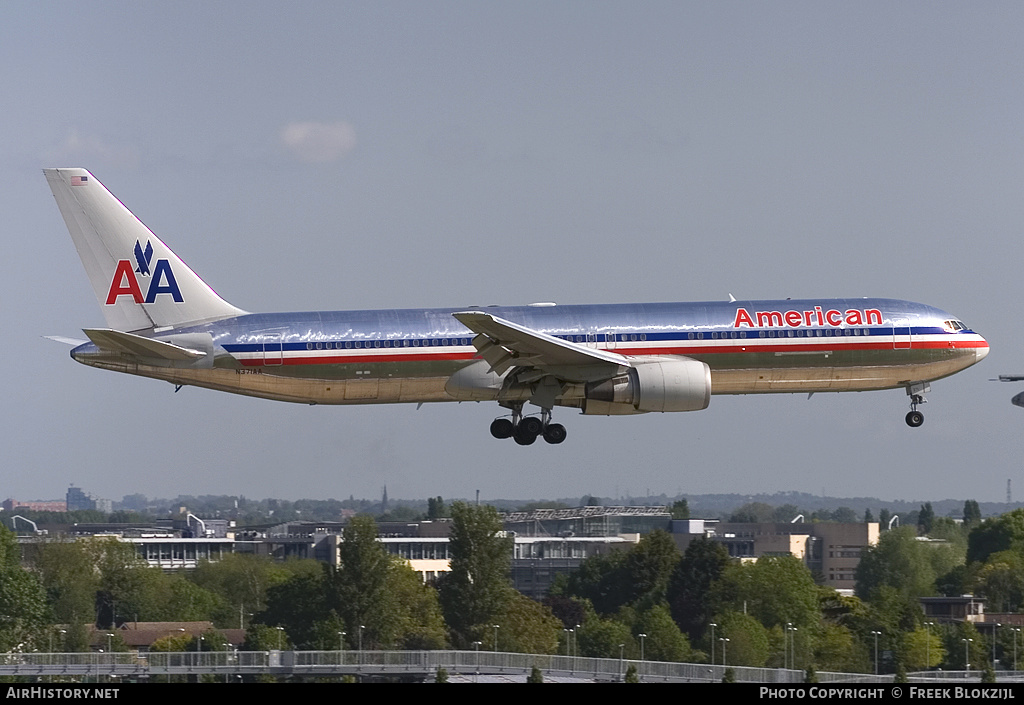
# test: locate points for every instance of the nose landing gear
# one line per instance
(916, 393)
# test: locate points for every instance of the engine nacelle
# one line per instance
(664, 384)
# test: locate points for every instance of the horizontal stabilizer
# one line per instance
(67, 341)
(119, 341)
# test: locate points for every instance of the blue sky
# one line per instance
(304, 156)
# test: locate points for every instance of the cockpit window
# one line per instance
(953, 326)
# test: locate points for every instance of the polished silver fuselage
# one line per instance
(410, 355)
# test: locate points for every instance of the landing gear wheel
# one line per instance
(915, 418)
(523, 438)
(530, 425)
(502, 428)
(554, 433)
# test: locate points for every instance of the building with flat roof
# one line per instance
(832, 550)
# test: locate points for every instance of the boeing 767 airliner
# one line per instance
(164, 322)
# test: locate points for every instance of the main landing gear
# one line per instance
(916, 393)
(524, 430)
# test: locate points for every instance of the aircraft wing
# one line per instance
(505, 344)
(119, 341)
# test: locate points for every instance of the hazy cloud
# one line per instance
(90, 150)
(319, 142)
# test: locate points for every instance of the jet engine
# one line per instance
(664, 384)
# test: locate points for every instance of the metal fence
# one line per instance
(415, 664)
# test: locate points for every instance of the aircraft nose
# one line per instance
(981, 351)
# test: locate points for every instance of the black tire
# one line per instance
(502, 428)
(555, 433)
(915, 419)
(524, 439)
(530, 425)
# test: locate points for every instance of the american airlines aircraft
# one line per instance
(164, 322)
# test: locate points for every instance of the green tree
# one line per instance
(601, 638)
(898, 560)
(747, 643)
(689, 588)
(69, 577)
(836, 649)
(776, 590)
(680, 509)
(753, 513)
(477, 587)
(22, 600)
(625, 577)
(972, 514)
(925, 517)
(664, 641)
(524, 626)
(172, 643)
(1002, 533)
(600, 580)
(180, 600)
(298, 605)
(884, 517)
(358, 587)
(241, 582)
(416, 610)
(922, 649)
(128, 586)
(649, 565)
(844, 515)
(785, 513)
(436, 508)
(960, 640)
(1001, 580)
(263, 637)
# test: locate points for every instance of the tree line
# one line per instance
(697, 605)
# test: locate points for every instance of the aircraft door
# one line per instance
(273, 348)
(901, 334)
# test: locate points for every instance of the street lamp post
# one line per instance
(967, 665)
(496, 637)
(997, 625)
(725, 660)
(1015, 630)
(928, 645)
(712, 625)
(476, 645)
(876, 650)
(791, 638)
(785, 646)
(341, 648)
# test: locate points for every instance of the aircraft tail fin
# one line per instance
(139, 282)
